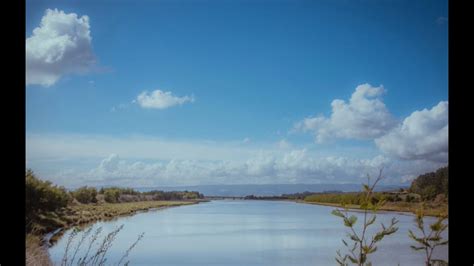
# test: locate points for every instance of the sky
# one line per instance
(165, 93)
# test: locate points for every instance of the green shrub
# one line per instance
(42, 196)
(85, 194)
(111, 195)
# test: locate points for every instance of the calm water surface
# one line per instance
(238, 232)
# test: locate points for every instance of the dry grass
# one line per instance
(36, 254)
(86, 213)
(430, 209)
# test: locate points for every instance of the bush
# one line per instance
(42, 196)
(111, 195)
(85, 195)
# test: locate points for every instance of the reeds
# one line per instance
(97, 257)
(130, 248)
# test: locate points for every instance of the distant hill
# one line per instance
(266, 189)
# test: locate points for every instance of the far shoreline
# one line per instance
(402, 210)
(411, 211)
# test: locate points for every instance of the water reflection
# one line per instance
(229, 232)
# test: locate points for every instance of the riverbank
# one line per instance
(55, 223)
(430, 209)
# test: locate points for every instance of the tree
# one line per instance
(431, 184)
(428, 241)
(363, 245)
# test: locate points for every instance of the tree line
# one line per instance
(432, 186)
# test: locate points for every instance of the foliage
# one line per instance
(174, 195)
(111, 195)
(363, 245)
(120, 190)
(42, 196)
(350, 198)
(85, 194)
(428, 241)
(117, 194)
(431, 184)
(353, 198)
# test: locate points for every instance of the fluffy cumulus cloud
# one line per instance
(293, 166)
(109, 164)
(85, 160)
(59, 46)
(365, 116)
(161, 99)
(422, 135)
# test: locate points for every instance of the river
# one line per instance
(247, 232)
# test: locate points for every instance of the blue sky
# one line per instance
(253, 69)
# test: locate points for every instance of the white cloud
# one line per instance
(146, 161)
(109, 164)
(295, 166)
(59, 46)
(161, 99)
(422, 135)
(363, 117)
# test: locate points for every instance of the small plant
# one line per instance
(363, 245)
(99, 256)
(428, 241)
